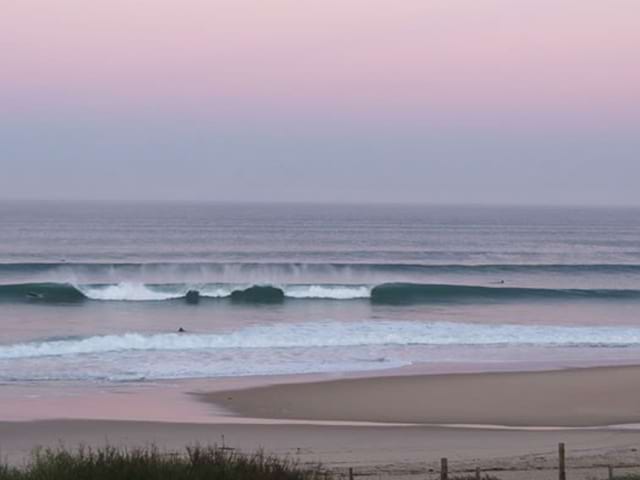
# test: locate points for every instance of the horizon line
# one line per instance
(337, 203)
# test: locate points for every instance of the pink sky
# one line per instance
(567, 58)
(498, 101)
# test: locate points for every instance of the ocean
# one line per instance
(98, 292)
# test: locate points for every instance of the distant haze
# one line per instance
(450, 101)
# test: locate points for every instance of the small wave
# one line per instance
(335, 334)
(41, 292)
(292, 267)
(291, 272)
(410, 293)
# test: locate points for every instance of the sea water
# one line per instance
(97, 292)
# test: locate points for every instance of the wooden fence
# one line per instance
(562, 467)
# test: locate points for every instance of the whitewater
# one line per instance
(358, 344)
(99, 293)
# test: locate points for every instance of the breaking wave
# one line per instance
(387, 293)
(126, 291)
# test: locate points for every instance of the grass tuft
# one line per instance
(195, 463)
(473, 477)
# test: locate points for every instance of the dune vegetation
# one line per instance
(150, 463)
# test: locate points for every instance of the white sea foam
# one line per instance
(129, 291)
(334, 334)
(218, 291)
(335, 292)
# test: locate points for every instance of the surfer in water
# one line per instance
(181, 330)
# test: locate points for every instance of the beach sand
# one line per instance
(581, 398)
(374, 452)
(563, 398)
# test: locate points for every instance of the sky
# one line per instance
(427, 101)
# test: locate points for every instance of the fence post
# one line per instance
(562, 473)
(610, 468)
(444, 469)
(478, 476)
(350, 473)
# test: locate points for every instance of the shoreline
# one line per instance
(172, 415)
(206, 400)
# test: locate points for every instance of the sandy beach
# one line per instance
(374, 452)
(540, 408)
(563, 398)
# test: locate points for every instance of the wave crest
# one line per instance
(386, 293)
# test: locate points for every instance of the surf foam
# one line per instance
(334, 334)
